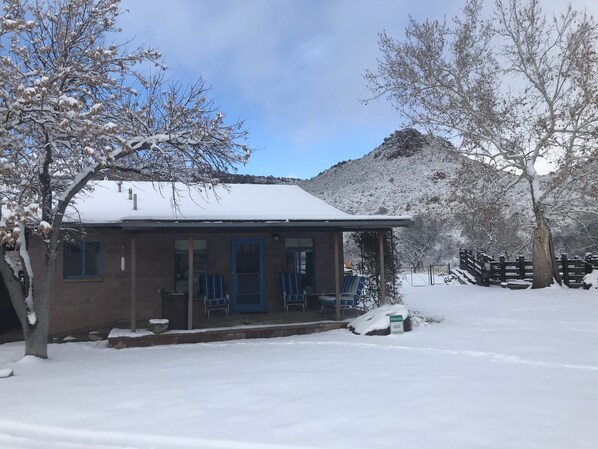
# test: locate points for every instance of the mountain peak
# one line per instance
(405, 143)
(402, 143)
(410, 172)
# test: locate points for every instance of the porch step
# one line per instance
(120, 339)
(463, 276)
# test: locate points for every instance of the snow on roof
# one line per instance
(233, 202)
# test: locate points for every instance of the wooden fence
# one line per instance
(488, 271)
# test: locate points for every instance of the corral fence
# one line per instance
(422, 275)
(488, 271)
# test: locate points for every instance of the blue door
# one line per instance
(248, 276)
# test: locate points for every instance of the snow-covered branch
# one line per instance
(75, 106)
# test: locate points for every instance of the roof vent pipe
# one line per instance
(130, 194)
(134, 201)
(120, 185)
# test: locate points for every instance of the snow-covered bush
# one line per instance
(590, 280)
(377, 321)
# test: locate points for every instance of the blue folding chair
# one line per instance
(292, 294)
(350, 294)
(214, 296)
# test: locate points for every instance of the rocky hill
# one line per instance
(457, 202)
(409, 173)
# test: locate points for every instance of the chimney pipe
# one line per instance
(134, 201)
(130, 194)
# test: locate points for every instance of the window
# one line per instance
(181, 265)
(300, 259)
(83, 260)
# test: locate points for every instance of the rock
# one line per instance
(406, 328)
(590, 280)
(386, 331)
(407, 142)
(516, 285)
(157, 326)
(7, 372)
(96, 336)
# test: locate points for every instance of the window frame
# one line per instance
(67, 253)
(200, 250)
(296, 248)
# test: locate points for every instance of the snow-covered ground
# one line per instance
(504, 369)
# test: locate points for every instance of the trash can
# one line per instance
(174, 309)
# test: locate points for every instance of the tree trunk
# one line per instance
(545, 268)
(36, 337)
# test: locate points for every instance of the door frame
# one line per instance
(248, 308)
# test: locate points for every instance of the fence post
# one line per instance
(521, 267)
(565, 268)
(588, 264)
(503, 269)
(486, 270)
(462, 262)
(430, 275)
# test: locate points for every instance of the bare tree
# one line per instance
(74, 105)
(516, 88)
(488, 220)
(576, 237)
(423, 242)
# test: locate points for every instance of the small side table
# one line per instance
(312, 300)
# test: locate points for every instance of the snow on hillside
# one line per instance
(408, 173)
(502, 370)
(421, 175)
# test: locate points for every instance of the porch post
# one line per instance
(190, 287)
(337, 277)
(382, 280)
(133, 286)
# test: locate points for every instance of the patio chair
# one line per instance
(292, 294)
(214, 296)
(350, 294)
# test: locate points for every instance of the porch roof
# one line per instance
(244, 206)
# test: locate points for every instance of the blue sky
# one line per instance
(292, 69)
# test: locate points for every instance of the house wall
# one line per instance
(80, 304)
(8, 316)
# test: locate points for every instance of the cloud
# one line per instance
(295, 65)
(294, 68)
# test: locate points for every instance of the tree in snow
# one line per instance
(428, 241)
(576, 237)
(516, 88)
(74, 106)
(484, 215)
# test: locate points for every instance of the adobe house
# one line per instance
(135, 242)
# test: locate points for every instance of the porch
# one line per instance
(255, 294)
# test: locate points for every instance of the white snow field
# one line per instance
(504, 369)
